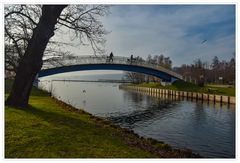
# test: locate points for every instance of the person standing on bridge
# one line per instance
(131, 59)
(111, 57)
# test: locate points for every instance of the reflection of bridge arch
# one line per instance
(69, 64)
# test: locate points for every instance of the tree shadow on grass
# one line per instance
(56, 118)
(62, 135)
(55, 135)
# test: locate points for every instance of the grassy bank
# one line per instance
(51, 129)
(185, 86)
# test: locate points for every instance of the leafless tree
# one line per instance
(156, 60)
(28, 30)
(160, 60)
(201, 72)
(135, 77)
(80, 21)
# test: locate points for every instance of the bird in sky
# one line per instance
(203, 41)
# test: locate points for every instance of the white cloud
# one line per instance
(174, 31)
(141, 31)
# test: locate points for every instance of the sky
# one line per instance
(182, 32)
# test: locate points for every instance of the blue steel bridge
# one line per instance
(81, 63)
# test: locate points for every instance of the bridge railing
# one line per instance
(103, 59)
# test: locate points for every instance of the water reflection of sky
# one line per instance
(201, 126)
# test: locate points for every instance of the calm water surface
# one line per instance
(205, 128)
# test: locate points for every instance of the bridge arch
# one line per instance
(97, 63)
(84, 67)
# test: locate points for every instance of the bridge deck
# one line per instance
(78, 60)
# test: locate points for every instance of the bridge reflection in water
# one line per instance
(80, 63)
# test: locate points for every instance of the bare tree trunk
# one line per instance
(31, 63)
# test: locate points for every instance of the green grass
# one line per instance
(151, 85)
(51, 129)
(34, 92)
(228, 91)
(190, 87)
(46, 130)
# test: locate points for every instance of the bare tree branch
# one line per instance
(82, 21)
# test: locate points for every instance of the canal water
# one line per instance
(203, 127)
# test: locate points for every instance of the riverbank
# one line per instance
(189, 87)
(158, 92)
(51, 129)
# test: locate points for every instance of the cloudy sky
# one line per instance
(182, 32)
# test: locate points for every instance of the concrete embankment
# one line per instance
(189, 95)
